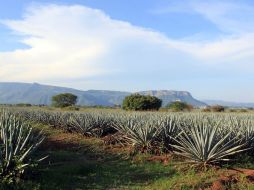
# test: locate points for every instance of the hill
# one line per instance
(229, 104)
(34, 93)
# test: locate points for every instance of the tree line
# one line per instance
(134, 102)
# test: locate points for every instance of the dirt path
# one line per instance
(76, 162)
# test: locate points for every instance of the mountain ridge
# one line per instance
(35, 93)
(229, 103)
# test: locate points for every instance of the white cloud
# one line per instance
(229, 16)
(67, 41)
(76, 43)
(232, 17)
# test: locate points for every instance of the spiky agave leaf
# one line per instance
(82, 123)
(242, 127)
(17, 143)
(202, 144)
(169, 128)
(139, 132)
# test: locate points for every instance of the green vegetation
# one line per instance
(76, 162)
(203, 143)
(86, 163)
(24, 105)
(114, 149)
(203, 138)
(140, 102)
(216, 108)
(64, 100)
(17, 143)
(179, 106)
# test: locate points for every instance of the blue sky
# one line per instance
(205, 47)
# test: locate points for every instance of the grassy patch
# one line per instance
(77, 163)
(85, 163)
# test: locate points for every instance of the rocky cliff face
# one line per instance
(168, 96)
(14, 93)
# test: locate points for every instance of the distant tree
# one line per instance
(24, 105)
(179, 106)
(243, 110)
(141, 102)
(207, 109)
(64, 100)
(217, 108)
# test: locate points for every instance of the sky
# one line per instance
(204, 47)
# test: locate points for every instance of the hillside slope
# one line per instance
(14, 93)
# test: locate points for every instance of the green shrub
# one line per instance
(243, 110)
(207, 109)
(64, 100)
(179, 106)
(232, 110)
(141, 102)
(217, 108)
(24, 105)
(72, 108)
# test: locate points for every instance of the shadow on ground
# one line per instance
(83, 163)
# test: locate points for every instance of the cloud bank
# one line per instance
(84, 48)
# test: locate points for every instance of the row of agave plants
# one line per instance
(202, 138)
(18, 142)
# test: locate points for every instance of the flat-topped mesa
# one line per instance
(37, 94)
(168, 96)
(165, 93)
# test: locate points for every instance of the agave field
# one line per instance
(203, 139)
(199, 139)
(18, 141)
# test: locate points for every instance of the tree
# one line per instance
(141, 102)
(64, 100)
(179, 106)
(217, 108)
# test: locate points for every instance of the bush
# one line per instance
(24, 105)
(207, 109)
(141, 102)
(179, 106)
(217, 108)
(64, 100)
(72, 108)
(243, 110)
